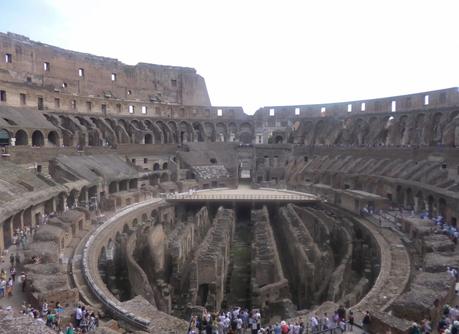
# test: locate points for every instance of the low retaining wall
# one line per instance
(90, 258)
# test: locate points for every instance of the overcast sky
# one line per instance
(256, 53)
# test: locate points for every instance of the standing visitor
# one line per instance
(366, 322)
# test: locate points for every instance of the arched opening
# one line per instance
(156, 166)
(4, 137)
(165, 166)
(113, 187)
(53, 138)
(71, 199)
(21, 137)
(278, 140)
(37, 138)
(148, 139)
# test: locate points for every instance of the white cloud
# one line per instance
(256, 53)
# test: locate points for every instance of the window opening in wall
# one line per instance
(2, 95)
(73, 104)
(64, 85)
(362, 106)
(443, 166)
(305, 159)
(29, 79)
(323, 109)
(174, 83)
(46, 66)
(144, 109)
(259, 139)
(271, 112)
(103, 108)
(131, 109)
(23, 99)
(349, 107)
(8, 58)
(10, 122)
(129, 92)
(81, 72)
(40, 103)
(113, 76)
(408, 102)
(219, 112)
(88, 105)
(145, 160)
(57, 103)
(118, 107)
(297, 111)
(426, 100)
(133, 161)
(393, 106)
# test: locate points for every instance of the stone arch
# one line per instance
(186, 132)
(436, 130)
(5, 137)
(403, 133)
(232, 132)
(37, 138)
(221, 132)
(199, 130)
(210, 132)
(148, 139)
(174, 131)
(278, 139)
(165, 165)
(157, 134)
(71, 198)
(166, 131)
(53, 138)
(319, 127)
(246, 133)
(21, 137)
(419, 130)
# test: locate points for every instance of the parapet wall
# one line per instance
(437, 99)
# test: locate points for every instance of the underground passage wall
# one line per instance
(277, 258)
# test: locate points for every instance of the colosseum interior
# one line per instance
(147, 204)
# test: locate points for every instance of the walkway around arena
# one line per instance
(242, 194)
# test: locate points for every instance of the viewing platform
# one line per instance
(242, 194)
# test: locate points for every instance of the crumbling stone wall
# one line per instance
(308, 268)
(210, 265)
(270, 290)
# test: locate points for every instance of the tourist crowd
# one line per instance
(243, 321)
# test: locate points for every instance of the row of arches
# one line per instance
(401, 129)
(21, 138)
(98, 131)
